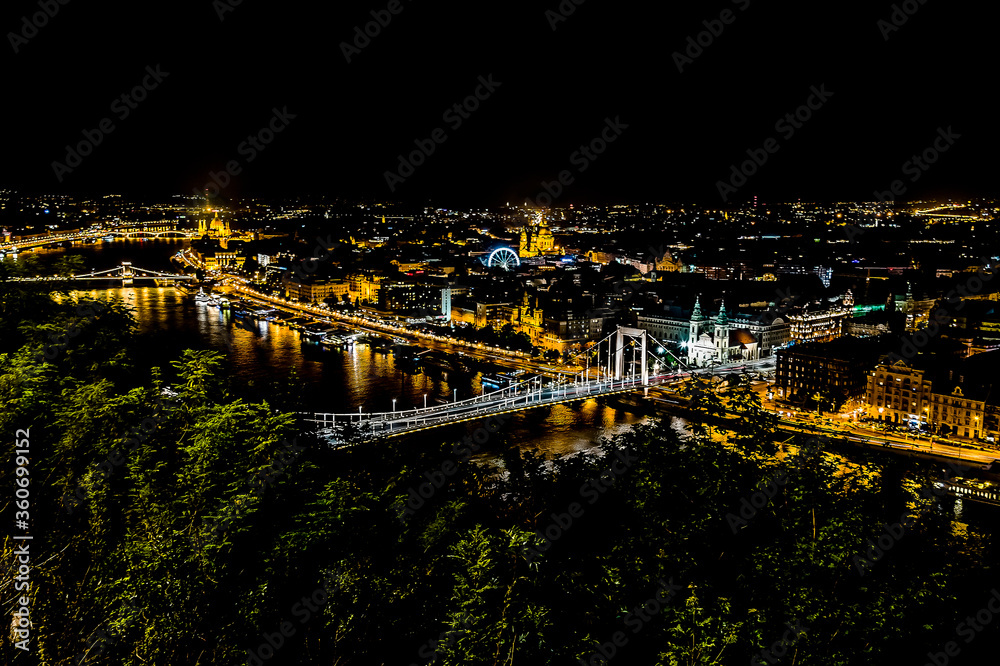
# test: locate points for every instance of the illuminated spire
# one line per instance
(723, 318)
(696, 314)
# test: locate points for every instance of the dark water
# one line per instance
(337, 381)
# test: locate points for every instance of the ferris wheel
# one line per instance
(503, 257)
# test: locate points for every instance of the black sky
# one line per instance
(608, 59)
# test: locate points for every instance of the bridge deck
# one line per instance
(125, 272)
(392, 424)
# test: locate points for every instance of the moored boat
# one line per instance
(502, 379)
(317, 330)
(336, 341)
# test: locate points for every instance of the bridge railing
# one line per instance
(33, 241)
(511, 392)
(123, 272)
(396, 422)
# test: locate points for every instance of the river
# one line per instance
(338, 381)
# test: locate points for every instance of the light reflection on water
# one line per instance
(336, 380)
(343, 380)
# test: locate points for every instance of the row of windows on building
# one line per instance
(899, 398)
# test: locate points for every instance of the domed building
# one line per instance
(537, 239)
(215, 227)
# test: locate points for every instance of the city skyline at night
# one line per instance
(445, 334)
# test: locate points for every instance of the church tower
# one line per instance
(698, 319)
(721, 334)
(545, 242)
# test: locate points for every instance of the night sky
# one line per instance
(557, 88)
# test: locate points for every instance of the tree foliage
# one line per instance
(223, 520)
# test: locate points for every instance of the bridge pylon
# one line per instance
(636, 335)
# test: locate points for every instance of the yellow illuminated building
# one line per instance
(215, 227)
(364, 287)
(537, 239)
(530, 319)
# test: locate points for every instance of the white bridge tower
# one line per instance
(638, 337)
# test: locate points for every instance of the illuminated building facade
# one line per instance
(214, 228)
(821, 326)
(736, 336)
(364, 287)
(537, 239)
(837, 370)
(310, 290)
(718, 342)
(953, 398)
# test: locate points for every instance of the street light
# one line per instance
(394, 406)
(425, 401)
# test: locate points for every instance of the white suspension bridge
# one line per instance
(608, 376)
(126, 272)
